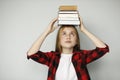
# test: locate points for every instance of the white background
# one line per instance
(22, 21)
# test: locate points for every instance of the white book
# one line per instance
(68, 12)
(60, 22)
(68, 18)
(68, 15)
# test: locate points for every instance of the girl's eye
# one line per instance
(72, 34)
(63, 33)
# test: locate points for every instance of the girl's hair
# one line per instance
(58, 46)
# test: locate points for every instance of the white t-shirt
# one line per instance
(65, 70)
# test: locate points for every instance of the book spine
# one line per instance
(68, 12)
(68, 22)
(68, 15)
(68, 18)
(62, 8)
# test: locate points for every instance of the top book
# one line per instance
(68, 8)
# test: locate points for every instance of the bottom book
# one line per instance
(68, 22)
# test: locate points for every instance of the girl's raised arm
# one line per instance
(94, 39)
(37, 44)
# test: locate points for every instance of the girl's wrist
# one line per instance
(82, 28)
(46, 32)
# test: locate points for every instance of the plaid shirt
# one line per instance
(79, 59)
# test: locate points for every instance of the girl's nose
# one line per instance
(68, 36)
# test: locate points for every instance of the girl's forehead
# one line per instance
(69, 29)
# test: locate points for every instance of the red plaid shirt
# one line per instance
(79, 59)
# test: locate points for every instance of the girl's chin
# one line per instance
(68, 47)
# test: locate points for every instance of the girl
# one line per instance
(67, 62)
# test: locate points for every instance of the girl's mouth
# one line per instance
(67, 41)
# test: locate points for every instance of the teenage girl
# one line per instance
(68, 61)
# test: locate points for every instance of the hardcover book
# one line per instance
(68, 8)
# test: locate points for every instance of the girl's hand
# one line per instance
(51, 27)
(82, 28)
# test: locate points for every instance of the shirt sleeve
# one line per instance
(92, 55)
(41, 57)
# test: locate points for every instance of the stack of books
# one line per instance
(68, 15)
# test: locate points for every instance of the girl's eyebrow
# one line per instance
(73, 32)
(70, 32)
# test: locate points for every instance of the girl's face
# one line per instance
(68, 38)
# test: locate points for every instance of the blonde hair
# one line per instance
(58, 46)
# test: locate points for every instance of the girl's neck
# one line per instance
(67, 51)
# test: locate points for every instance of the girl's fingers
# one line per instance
(54, 28)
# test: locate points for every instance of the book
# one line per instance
(68, 8)
(68, 18)
(68, 12)
(68, 15)
(66, 22)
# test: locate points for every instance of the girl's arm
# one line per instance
(37, 44)
(94, 39)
